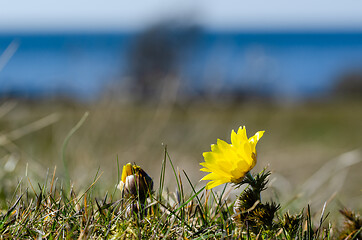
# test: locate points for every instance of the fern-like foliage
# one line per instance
(250, 212)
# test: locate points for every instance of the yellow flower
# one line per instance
(135, 182)
(230, 162)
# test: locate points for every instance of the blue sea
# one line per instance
(295, 65)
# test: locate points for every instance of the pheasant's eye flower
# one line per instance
(230, 162)
(135, 182)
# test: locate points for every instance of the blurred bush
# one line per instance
(155, 56)
(349, 85)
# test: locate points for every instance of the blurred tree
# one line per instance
(349, 85)
(155, 56)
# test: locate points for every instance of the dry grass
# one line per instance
(312, 149)
(299, 141)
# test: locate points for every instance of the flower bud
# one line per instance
(135, 182)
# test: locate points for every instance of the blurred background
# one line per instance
(182, 74)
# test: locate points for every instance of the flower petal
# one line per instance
(126, 171)
(213, 184)
(121, 185)
(242, 134)
(230, 162)
(254, 140)
(214, 176)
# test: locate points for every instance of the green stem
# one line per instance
(65, 144)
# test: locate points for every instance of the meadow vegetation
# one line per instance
(61, 167)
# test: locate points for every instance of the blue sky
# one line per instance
(74, 15)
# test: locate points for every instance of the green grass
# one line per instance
(312, 150)
(52, 211)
